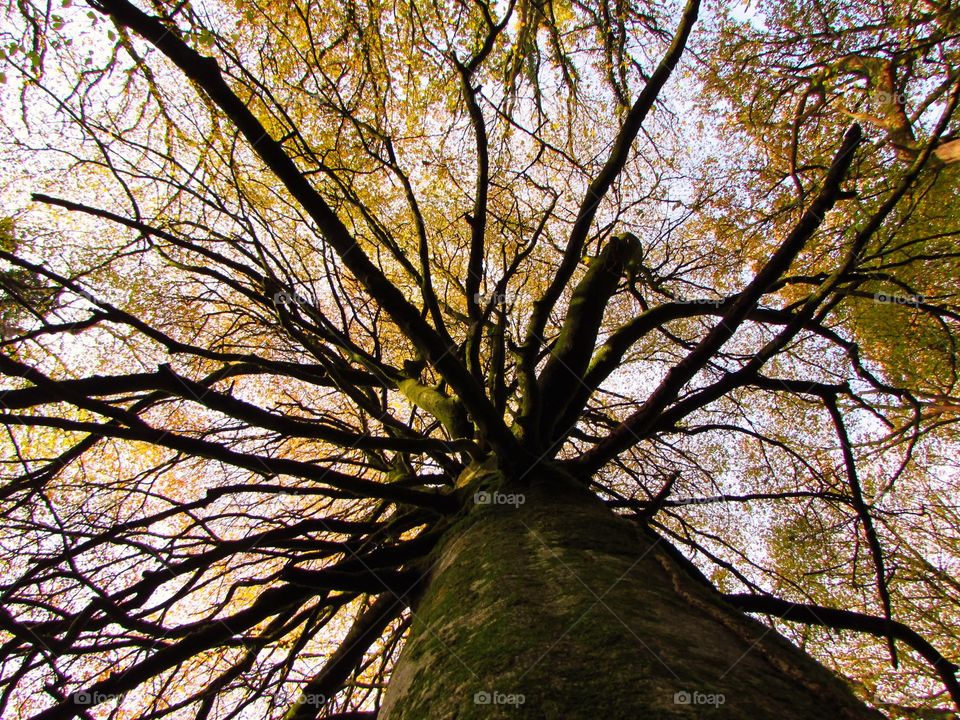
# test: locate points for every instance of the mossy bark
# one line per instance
(556, 608)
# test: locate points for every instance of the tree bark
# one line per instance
(541, 603)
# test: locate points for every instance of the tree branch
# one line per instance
(849, 620)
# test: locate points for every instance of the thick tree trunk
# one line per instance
(556, 608)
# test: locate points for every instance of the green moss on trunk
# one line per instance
(559, 603)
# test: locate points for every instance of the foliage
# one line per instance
(285, 276)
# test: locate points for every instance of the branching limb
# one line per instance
(863, 513)
(205, 72)
(598, 189)
(849, 620)
(639, 423)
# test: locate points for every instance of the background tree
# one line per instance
(453, 360)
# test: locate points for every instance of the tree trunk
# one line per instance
(550, 606)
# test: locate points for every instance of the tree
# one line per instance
(438, 360)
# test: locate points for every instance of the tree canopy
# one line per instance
(276, 279)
